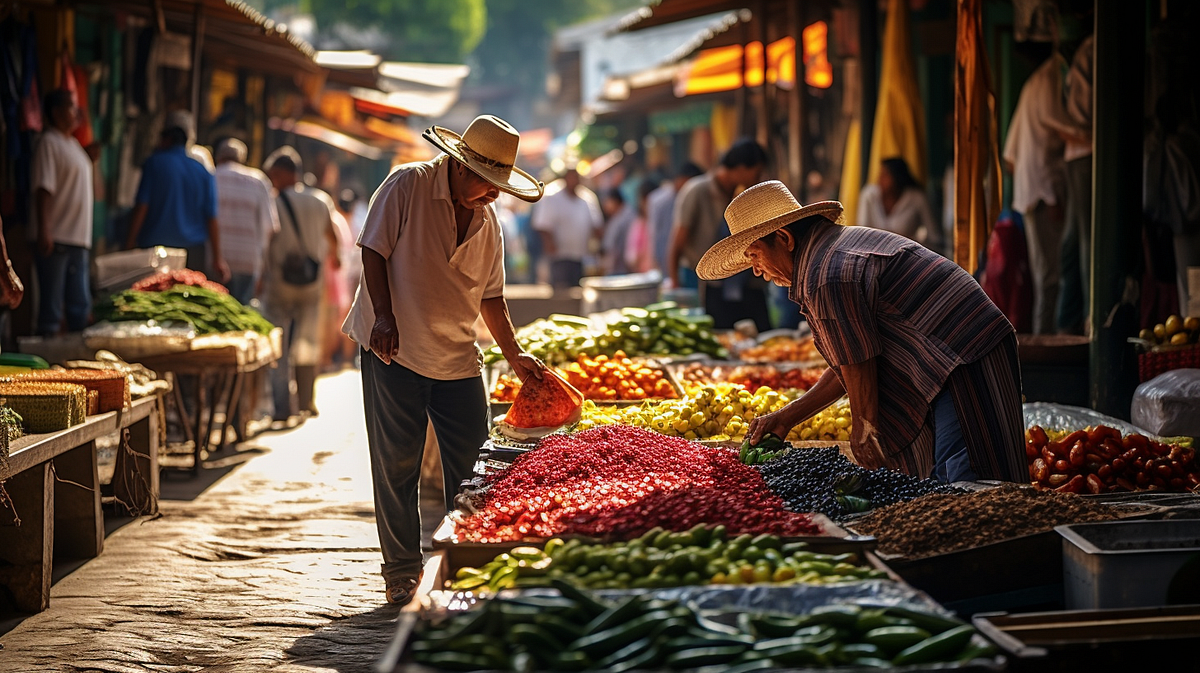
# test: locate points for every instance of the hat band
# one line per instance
(486, 161)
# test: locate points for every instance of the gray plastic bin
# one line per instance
(604, 293)
(1126, 564)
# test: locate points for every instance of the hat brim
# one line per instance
(728, 256)
(516, 182)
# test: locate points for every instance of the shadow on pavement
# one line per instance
(350, 645)
(180, 484)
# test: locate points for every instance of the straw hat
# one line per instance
(489, 147)
(756, 212)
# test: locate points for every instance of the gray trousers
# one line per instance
(398, 404)
(1043, 239)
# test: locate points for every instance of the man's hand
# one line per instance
(11, 289)
(385, 337)
(222, 269)
(525, 365)
(45, 244)
(864, 443)
(778, 423)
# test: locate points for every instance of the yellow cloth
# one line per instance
(724, 126)
(976, 144)
(852, 173)
(899, 115)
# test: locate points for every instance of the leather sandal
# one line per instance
(401, 592)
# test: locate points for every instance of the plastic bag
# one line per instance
(1064, 417)
(1169, 404)
(542, 406)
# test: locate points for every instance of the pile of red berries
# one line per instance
(620, 481)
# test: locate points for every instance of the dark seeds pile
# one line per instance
(937, 524)
(805, 479)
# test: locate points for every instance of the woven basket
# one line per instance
(46, 407)
(112, 386)
(1166, 358)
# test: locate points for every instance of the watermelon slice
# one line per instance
(547, 403)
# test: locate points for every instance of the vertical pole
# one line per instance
(1116, 192)
(868, 49)
(742, 97)
(198, 21)
(764, 109)
(796, 126)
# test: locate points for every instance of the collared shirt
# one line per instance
(181, 196)
(248, 217)
(63, 168)
(1034, 145)
(873, 294)
(699, 213)
(436, 284)
(570, 219)
(910, 217)
(1079, 96)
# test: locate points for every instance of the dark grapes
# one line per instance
(805, 479)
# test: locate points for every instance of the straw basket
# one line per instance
(111, 386)
(46, 407)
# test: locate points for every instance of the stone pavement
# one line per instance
(273, 568)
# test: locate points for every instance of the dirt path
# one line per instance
(274, 568)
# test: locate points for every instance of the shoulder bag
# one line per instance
(299, 268)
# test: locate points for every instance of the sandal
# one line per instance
(402, 591)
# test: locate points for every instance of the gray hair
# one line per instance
(230, 149)
(286, 158)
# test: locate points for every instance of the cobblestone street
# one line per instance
(273, 568)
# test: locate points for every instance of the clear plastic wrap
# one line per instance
(133, 340)
(1169, 404)
(1064, 417)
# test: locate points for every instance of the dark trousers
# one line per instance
(565, 272)
(63, 289)
(752, 306)
(1073, 295)
(398, 404)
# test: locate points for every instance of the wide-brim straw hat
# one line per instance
(756, 212)
(489, 148)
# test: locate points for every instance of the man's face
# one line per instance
(66, 117)
(773, 262)
(571, 180)
(471, 191)
(747, 176)
(281, 178)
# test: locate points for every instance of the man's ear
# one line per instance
(786, 238)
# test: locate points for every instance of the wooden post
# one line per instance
(868, 50)
(135, 480)
(796, 123)
(1116, 193)
(78, 519)
(28, 549)
(763, 130)
(198, 24)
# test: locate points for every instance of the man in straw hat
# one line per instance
(433, 262)
(929, 362)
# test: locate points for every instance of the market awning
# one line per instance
(314, 129)
(350, 68)
(404, 89)
(235, 34)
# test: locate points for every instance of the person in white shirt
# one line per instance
(246, 216)
(567, 219)
(62, 200)
(1077, 237)
(1033, 153)
(896, 203)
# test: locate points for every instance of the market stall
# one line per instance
(648, 533)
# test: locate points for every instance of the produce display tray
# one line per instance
(836, 540)
(495, 371)
(1165, 638)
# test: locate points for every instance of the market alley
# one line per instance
(273, 568)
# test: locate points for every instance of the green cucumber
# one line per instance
(976, 650)
(876, 619)
(634, 649)
(671, 628)
(558, 627)
(930, 622)
(895, 638)
(799, 656)
(592, 607)
(615, 615)
(861, 650)
(611, 640)
(704, 656)
(535, 638)
(570, 661)
(936, 648)
(719, 639)
(650, 659)
(836, 615)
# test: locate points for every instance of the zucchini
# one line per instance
(801, 656)
(591, 606)
(570, 661)
(649, 659)
(895, 638)
(615, 615)
(626, 653)
(671, 628)
(558, 627)
(936, 648)
(535, 638)
(861, 650)
(704, 656)
(876, 619)
(977, 650)
(777, 627)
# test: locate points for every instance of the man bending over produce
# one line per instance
(929, 362)
(433, 261)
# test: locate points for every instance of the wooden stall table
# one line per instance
(224, 361)
(53, 486)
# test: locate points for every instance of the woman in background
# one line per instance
(896, 203)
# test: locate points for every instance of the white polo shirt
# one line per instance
(437, 286)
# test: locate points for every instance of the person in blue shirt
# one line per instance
(176, 204)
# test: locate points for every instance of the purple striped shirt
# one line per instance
(868, 294)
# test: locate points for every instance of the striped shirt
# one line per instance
(246, 216)
(874, 294)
